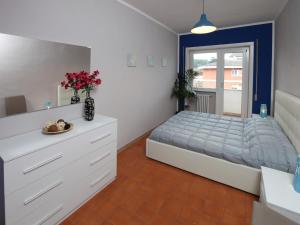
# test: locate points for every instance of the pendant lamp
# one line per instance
(203, 26)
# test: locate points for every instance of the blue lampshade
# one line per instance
(203, 26)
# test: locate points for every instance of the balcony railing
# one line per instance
(232, 102)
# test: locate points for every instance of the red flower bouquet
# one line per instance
(82, 81)
(85, 82)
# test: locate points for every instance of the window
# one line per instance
(206, 66)
(236, 73)
(223, 71)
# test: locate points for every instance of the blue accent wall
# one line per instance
(263, 33)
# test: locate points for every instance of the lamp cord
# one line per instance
(203, 7)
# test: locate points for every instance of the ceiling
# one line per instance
(181, 15)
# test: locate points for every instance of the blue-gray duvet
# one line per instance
(253, 142)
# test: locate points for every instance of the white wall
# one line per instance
(138, 97)
(287, 57)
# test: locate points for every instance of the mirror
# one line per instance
(31, 72)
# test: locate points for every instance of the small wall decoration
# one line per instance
(131, 60)
(164, 61)
(150, 60)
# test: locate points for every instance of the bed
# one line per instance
(227, 149)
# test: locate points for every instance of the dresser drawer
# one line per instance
(23, 171)
(90, 169)
(48, 214)
(96, 159)
(27, 169)
(98, 179)
(100, 137)
(71, 184)
(50, 190)
(92, 183)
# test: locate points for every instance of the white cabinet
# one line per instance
(44, 178)
(278, 194)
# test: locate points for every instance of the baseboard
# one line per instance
(145, 135)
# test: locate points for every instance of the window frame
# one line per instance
(221, 47)
(191, 53)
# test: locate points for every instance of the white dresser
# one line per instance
(44, 178)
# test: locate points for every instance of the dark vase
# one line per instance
(89, 107)
(75, 99)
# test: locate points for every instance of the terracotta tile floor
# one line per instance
(147, 192)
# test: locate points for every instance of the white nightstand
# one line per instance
(277, 193)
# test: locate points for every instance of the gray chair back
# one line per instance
(15, 105)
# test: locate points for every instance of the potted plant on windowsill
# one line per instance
(183, 87)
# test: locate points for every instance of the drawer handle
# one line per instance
(44, 163)
(99, 179)
(99, 159)
(42, 192)
(53, 213)
(100, 138)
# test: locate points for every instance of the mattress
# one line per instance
(253, 142)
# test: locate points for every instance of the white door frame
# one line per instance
(245, 81)
(250, 54)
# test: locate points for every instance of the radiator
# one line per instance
(202, 103)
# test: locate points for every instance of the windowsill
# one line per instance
(205, 90)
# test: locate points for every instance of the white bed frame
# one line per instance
(287, 113)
